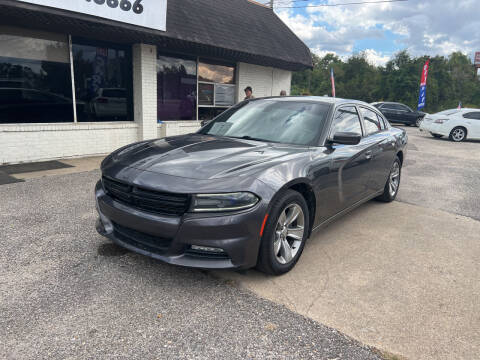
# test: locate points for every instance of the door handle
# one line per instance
(368, 155)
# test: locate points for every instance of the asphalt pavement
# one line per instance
(67, 293)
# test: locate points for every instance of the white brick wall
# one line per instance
(173, 128)
(265, 81)
(145, 89)
(25, 143)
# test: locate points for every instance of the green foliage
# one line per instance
(451, 80)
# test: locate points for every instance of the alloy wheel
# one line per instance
(458, 134)
(394, 180)
(289, 233)
(418, 122)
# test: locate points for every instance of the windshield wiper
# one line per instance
(247, 137)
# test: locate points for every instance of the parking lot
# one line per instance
(402, 277)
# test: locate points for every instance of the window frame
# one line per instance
(335, 111)
(379, 119)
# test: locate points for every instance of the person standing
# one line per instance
(249, 93)
(283, 93)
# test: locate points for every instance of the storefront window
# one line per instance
(216, 89)
(176, 88)
(103, 82)
(35, 79)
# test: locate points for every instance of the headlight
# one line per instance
(440, 121)
(223, 202)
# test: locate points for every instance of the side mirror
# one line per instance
(346, 138)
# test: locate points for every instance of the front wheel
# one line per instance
(285, 234)
(390, 190)
(418, 122)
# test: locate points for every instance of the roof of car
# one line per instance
(325, 99)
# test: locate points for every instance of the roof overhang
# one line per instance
(32, 16)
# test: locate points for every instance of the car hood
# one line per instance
(198, 156)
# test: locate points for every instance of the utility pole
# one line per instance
(271, 4)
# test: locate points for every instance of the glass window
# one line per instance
(103, 82)
(371, 121)
(472, 115)
(292, 122)
(346, 120)
(35, 79)
(383, 122)
(220, 74)
(176, 88)
(205, 94)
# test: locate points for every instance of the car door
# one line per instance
(407, 115)
(348, 176)
(473, 121)
(379, 149)
(389, 112)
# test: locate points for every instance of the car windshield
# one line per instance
(290, 122)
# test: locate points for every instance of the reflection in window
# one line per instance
(35, 80)
(346, 120)
(176, 88)
(102, 82)
(372, 123)
(216, 89)
(216, 73)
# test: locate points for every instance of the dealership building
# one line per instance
(84, 77)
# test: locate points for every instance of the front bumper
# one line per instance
(170, 238)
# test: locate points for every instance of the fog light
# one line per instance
(207, 249)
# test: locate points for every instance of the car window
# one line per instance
(371, 121)
(472, 115)
(346, 120)
(383, 122)
(291, 122)
(404, 108)
(390, 107)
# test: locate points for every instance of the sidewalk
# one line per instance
(21, 172)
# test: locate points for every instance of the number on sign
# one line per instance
(125, 5)
(137, 7)
(112, 3)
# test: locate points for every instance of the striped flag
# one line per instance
(332, 77)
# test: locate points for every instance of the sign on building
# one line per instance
(146, 13)
(477, 59)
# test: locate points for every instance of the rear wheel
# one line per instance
(390, 190)
(458, 134)
(285, 234)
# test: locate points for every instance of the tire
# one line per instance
(418, 122)
(390, 190)
(458, 134)
(275, 257)
(438, 136)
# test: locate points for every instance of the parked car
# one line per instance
(110, 102)
(457, 124)
(251, 186)
(400, 113)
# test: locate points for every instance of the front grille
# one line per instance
(141, 240)
(148, 200)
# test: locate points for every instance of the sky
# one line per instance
(423, 27)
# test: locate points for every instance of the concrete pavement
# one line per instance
(402, 277)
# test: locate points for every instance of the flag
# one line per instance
(422, 99)
(332, 77)
(459, 105)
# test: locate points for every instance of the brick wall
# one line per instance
(265, 81)
(25, 143)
